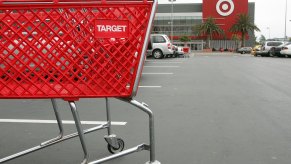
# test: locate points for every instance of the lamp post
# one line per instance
(268, 28)
(172, 8)
(285, 37)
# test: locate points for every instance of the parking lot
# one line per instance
(209, 109)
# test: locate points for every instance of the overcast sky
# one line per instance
(269, 16)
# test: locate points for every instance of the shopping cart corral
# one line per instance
(72, 49)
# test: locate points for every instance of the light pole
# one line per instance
(172, 8)
(268, 28)
(285, 37)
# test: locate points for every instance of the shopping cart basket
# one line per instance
(73, 49)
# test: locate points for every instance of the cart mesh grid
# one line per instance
(55, 50)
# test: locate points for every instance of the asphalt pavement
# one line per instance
(209, 109)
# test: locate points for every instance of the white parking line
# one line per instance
(54, 122)
(157, 73)
(162, 66)
(164, 62)
(150, 86)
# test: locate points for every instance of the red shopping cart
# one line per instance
(73, 49)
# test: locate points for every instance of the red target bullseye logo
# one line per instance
(225, 7)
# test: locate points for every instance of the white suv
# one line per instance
(160, 46)
(266, 47)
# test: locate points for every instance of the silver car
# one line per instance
(160, 46)
(244, 50)
(178, 51)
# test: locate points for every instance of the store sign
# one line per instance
(225, 7)
(224, 12)
(111, 29)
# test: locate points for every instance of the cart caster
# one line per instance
(118, 148)
(115, 144)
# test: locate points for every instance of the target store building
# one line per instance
(180, 19)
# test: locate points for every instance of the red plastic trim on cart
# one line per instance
(52, 51)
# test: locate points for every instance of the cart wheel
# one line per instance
(120, 147)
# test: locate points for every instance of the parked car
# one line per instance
(266, 47)
(275, 51)
(160, 46)
(286, 50)
(178, 51)
(244, 50)
(255, 49)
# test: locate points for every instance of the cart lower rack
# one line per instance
(72, 49)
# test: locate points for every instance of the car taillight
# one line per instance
(169, 45)
(285, 48)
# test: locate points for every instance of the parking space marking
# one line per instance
(150, 86)
(147, 73)
(54, 122)
(162, 66)
(164, 62)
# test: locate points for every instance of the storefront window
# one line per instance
(182, 25)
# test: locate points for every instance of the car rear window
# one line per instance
(274, 43)
(167, 38)
(159, 39)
